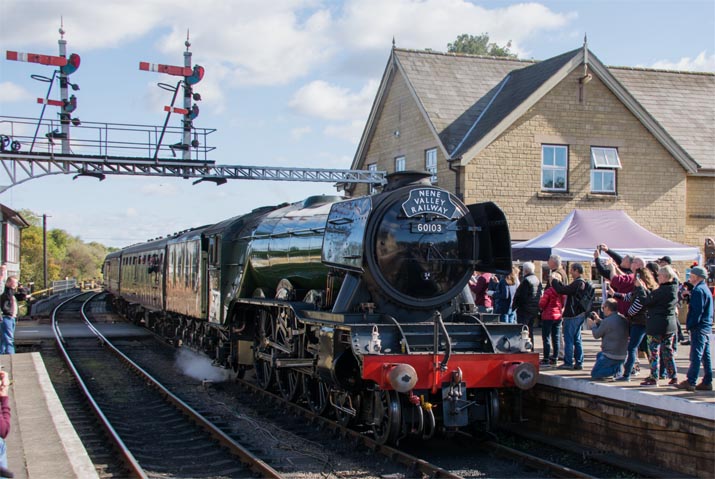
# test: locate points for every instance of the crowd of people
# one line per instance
(637, 320)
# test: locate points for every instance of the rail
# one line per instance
(129, 458)
(425, 468)
(257, 465)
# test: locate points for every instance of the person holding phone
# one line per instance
(612, 330)
(637, 315)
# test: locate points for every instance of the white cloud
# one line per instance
(347, 108)
(131, 212)
(701, 63)
(346, 131)
(270, 43)
(255, 42)
(330, 102)
(298, 133)
(88, 25)
(10, 92)
(434, 23)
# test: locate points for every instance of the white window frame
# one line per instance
(371, 189)
(604, 163)
(12, 247)
(399, 163)
(549, 169)
(431, 163)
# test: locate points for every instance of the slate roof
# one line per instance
(682, 102)
(454, 89)
(465, 96)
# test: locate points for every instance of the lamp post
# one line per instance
(44, 250)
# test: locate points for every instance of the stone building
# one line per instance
(12, 224)
(543, 138)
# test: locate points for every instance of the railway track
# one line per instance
(154, 433)
(299, 443)
(275, 409)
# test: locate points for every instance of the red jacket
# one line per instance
(479, 290)
(551, 304)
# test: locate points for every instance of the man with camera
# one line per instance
(612, 330)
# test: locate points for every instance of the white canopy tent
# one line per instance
(575, 238)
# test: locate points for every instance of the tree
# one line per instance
(67, 255)
(479, 45)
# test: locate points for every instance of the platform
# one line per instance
(661, 431)
(697, 403)
(42, 442)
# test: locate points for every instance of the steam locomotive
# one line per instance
(359, 306)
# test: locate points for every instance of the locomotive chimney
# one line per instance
(404, 178)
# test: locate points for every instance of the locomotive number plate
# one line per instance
(428, 228)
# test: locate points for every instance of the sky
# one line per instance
(287, 83)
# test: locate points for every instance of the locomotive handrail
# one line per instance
(399, 328)
(438, 322)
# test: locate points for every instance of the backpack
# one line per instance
(584, 298)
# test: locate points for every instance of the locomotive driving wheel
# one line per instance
(388, 417)
(316, 393)
(288, 379)
(262, 350)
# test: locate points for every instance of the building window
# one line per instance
(371, 189)
(12, 251)
(604, 163)
(399, 163)
(431, 163)
(554, 167)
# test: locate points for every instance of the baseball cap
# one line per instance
(699, 271)
(665, 259)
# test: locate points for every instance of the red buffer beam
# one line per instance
(37, 58)
(168, 69)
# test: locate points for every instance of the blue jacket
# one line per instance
(700, 311)
(502, 299)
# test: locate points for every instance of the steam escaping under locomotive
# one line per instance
(359, 307)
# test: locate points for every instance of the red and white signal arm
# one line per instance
(38, 58)
(168, 69)
(47, 101)
(173, 109)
